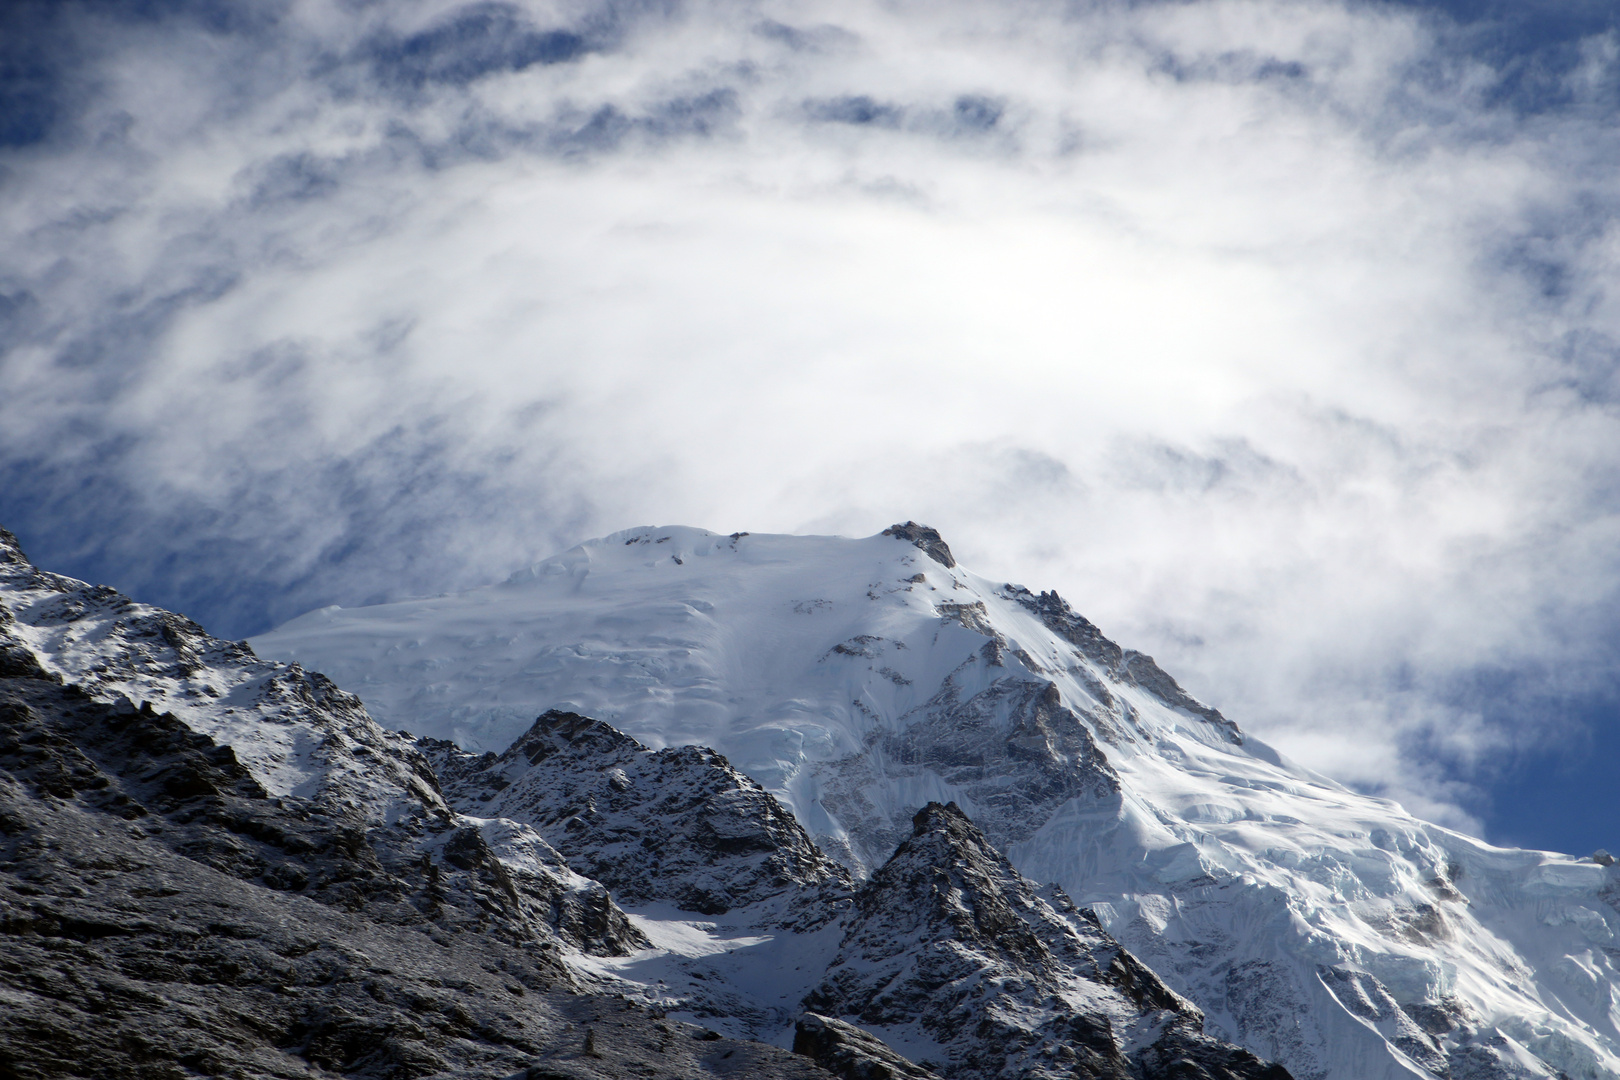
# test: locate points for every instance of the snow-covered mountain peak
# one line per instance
(677, 829)
(859, 680)
(782, 651)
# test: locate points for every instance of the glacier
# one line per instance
(858, 680)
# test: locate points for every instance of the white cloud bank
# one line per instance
(1270, 333)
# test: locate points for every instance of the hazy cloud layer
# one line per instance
(1276, 335)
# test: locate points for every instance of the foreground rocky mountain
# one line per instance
(299, 901)
(858, 681)
(160, 916)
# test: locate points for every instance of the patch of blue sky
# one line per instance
(474, 41)
(1535, 46)
(1562, 795)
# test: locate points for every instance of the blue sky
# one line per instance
(1277, 334)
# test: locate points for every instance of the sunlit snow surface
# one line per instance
(295, 732)
(747, 979)
(1296, 913)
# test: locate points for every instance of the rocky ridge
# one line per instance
(166, 911)
(1122, 665)
(952, 948)
(945, 954)
(678, 825)
(293, 730)
(161, 915)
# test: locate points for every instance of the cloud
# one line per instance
(1275, 335)
(471, 43)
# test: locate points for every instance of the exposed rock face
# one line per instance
(294, 731)
(973, 742)
(952, 947)
(848, 1052)
(162, 915)
(678, 825)
(925, 538)
(168, 909)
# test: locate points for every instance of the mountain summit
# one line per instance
(301, 894)
(860, 680)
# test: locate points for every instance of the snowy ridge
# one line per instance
(859, 680)
(298, 736)
(295, 731)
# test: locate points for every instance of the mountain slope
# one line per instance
(298, 902)
(859, 680)
(295, 731)
(952, 949)
(945, 950)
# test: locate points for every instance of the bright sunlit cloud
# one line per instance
(1273, 334)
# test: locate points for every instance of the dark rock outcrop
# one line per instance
(950, 942)
(678, 825)
(850, 1053)
(925, 538)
